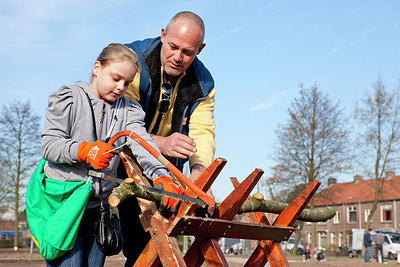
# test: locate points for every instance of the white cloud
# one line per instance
(271, 102)
(368, 31)
(237, 29)
(341, 44)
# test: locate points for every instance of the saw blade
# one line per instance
(149, 189)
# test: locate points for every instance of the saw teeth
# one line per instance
(153, 192)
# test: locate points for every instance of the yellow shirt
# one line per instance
(201, 124)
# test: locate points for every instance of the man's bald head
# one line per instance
(187, 15)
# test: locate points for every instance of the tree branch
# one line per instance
(131, 189)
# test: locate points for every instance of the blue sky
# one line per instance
(257, 51)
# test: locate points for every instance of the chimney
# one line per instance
(389, 174)
(357, 178)
(331, 181)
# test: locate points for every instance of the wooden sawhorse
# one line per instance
(163, 247)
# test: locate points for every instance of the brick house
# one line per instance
(352, 202)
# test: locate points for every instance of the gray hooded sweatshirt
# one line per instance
(69, 122)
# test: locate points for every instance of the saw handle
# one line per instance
(201, 194)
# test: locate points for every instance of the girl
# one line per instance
(79, 120)
(307, 254)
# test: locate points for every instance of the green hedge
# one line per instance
(6, 243)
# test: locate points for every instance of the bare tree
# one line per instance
(313, 143)
(19, 153)
(378, 140)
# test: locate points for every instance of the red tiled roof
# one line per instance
(363, 191)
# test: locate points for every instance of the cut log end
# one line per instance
(258, 196)
(129, 180)
(113, 201)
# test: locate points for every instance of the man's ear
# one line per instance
(201, 48)
(162, 35)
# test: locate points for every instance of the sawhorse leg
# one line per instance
(276, 257)
(207, 248)
(154, 252)
(288, 217)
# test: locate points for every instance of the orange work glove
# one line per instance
(168, 205)
(97, 154)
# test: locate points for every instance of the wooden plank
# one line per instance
(213, 254)
(268, 251)
(285, 218)
(204, 181)
(160, 248)
(289, 215)
(227, 210)
(254, 217)
(216, 228)
(148, 257)
(232, 203)
(167, 249)
(207, 178)
(265, 252)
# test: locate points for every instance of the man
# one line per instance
(177, 93)
(367, 244)
(379, 240)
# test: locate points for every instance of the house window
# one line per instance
(366, 214)
(333, 238)
(386, 213)
(322, 239)
(340, 240)
(336, 219)
(352, 214)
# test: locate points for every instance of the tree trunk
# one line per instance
(16, 208)
(16, 221)
(314, 228)
(298, 236)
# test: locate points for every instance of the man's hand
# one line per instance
(176, 145)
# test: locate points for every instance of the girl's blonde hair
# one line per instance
(115, 52)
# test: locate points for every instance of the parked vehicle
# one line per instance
(289, 245)
(231, 245)
(236, 249)
(389, 247)
(353, 252)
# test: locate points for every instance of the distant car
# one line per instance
(289, 245)
(390, 247)
(353, 252)
(236, 249)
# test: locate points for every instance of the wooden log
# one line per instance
(255, 204)
(276, 207)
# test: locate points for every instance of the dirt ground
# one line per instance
(11, 258)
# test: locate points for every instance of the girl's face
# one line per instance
(111, 81)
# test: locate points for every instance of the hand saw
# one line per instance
(202, 195)
(149, 189)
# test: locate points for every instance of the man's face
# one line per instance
(180, 46)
